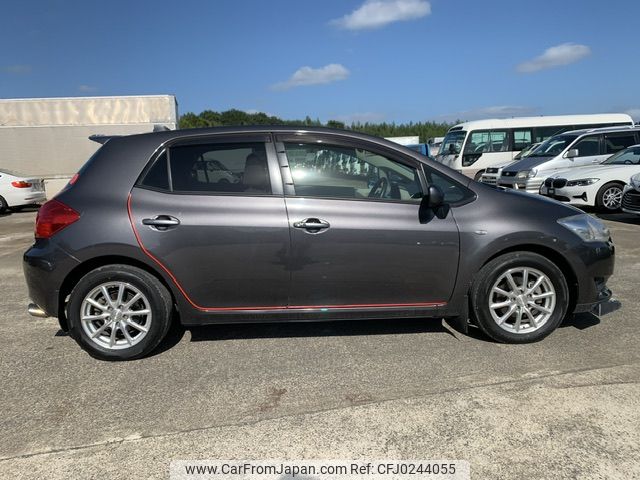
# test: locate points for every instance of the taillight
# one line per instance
(21, 184)
(74, 179)
(52, 217)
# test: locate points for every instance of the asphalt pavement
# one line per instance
(566, 407)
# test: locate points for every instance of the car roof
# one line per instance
(584, 131)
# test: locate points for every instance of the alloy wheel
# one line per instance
(115, 315)
(612, 198)
(522, 300)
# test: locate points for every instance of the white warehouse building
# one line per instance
(49, 137)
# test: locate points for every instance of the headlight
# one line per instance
(523, 174)
(583, 182)
(588, 228)
(532, 173)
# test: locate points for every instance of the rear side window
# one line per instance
(614, 142)
(235, 168)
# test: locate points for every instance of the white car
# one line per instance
(599, 185)
(17, 191)
(631, 196)
(492, 174)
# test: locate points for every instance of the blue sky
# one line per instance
(393, 60)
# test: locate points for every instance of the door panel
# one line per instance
(227, 251)
(373, 253)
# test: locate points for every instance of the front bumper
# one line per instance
(604, 305)
(572, 195)
(529, 185)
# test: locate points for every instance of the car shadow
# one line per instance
(581, 321)
(17, 211)
(316, 329)
(628, 218)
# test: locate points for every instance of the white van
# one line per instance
(576, 148)
(471, 147)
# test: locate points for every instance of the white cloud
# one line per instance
(378, 13)
(87, 88)
(496, 111)
(17, 69)
(557, 56)
(314, 76)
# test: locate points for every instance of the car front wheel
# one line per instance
(520, 297)
(119, 312)
(609, 197)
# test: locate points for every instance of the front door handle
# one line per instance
(161, 222)
(312, 225)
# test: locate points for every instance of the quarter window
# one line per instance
(157, 177)
(224, 168)
(320, 170)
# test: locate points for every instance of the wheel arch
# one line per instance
(552, 255)
(83, 268)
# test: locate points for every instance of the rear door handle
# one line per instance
(161, 222)
(312, 225)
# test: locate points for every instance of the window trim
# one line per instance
(340, 141)
(264, 138)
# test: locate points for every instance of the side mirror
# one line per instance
(572, 153)
(432, 205)
(434, 197)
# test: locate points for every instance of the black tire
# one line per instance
(478, 175)
(491, 272)
(157, 295)
(3, 205)
(600, 203)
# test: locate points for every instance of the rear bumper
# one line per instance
(30, 198)
(45, 268)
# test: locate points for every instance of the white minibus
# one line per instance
(471, 147)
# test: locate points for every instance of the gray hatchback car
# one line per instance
(305, 224)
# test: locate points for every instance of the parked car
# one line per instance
(137, 237)
(631, 195)
(17, 191)
(600, 185)
(492, 174)
(577, 148)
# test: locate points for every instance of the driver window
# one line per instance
(588, 146)
(321, 170)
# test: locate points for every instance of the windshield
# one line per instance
(553, 146)
(630, 156)
(526, 151)
(452, 138)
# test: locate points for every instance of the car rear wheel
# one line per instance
(119, 312)
(3, 205)
(609, 197)
(520, 297)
